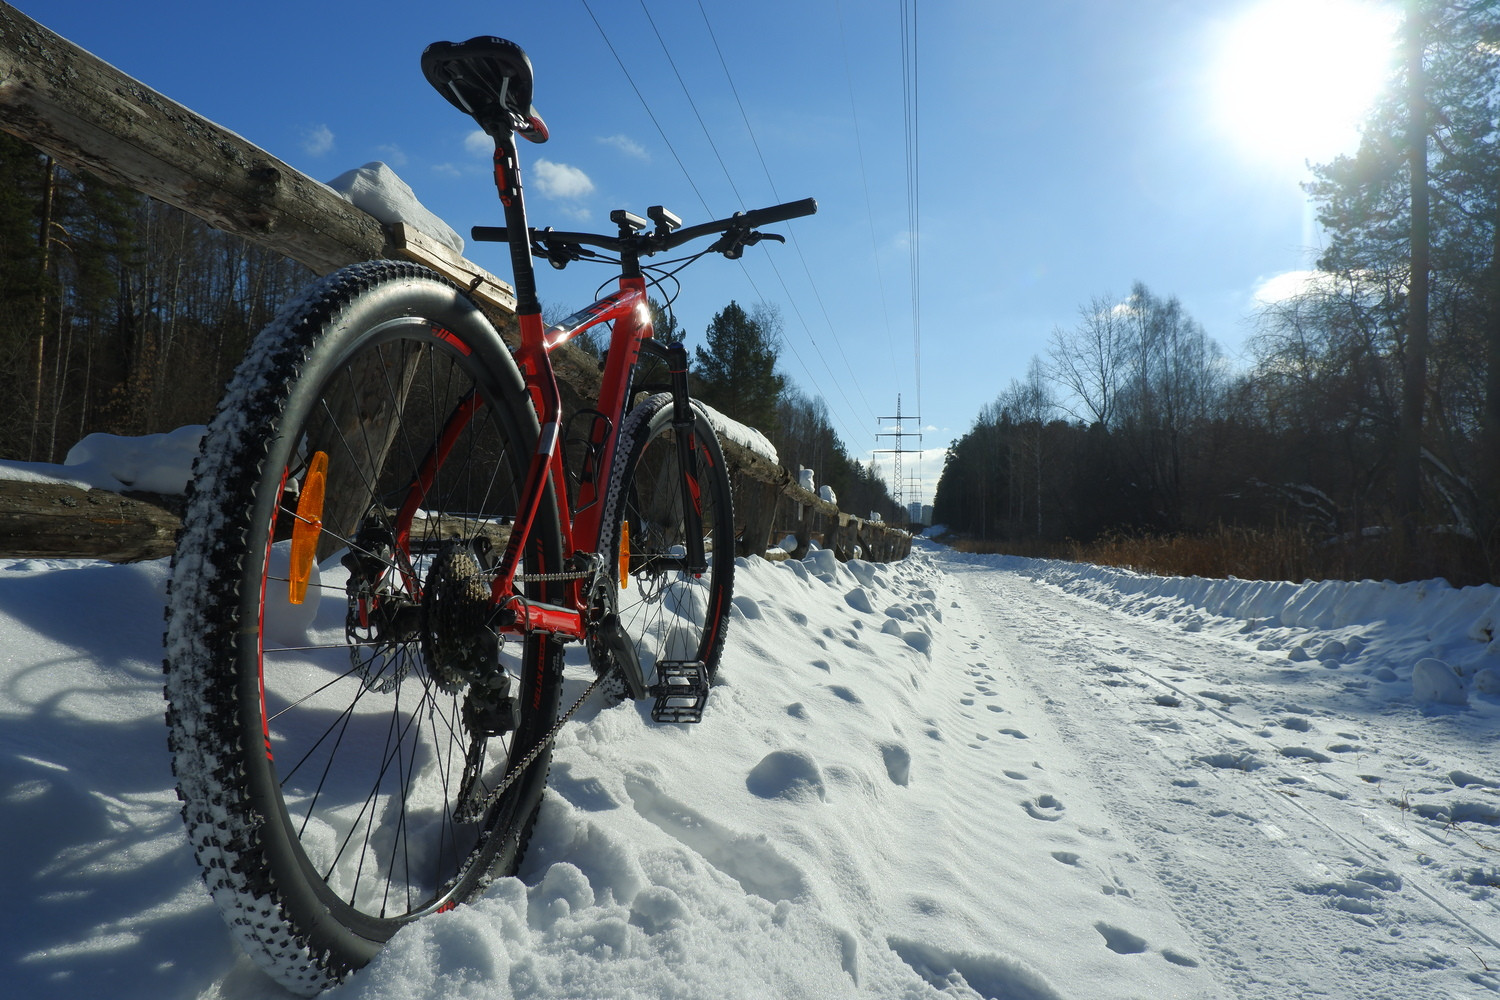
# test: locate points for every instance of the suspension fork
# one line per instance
(696, 561)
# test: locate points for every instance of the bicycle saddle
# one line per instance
(488, 78)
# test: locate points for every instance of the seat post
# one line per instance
(508, 182)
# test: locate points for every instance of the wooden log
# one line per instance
(92, 117)
(754, 513)
(58, 521)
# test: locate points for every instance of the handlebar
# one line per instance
(645, 244)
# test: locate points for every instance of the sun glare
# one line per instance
(1295, 78)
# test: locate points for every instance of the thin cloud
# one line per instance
(317, 141)
(392, 154)
(626, 145)
(1290, 285)
(560, 180)
(479, 143)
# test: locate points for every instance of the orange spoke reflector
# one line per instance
(624, 554)
(308, 526)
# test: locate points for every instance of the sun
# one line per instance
(1293, 79)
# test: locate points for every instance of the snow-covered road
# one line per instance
(949, 777)
(1249, 801)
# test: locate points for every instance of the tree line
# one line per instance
(117, 313)
(1369, 412)
(121, 314)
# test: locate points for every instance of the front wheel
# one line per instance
(670, 608)
(342, 714)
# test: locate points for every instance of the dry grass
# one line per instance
(1261, 554)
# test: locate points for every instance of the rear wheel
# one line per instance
(669, 610)
(342, 712)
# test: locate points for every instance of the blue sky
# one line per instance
(1067, 148)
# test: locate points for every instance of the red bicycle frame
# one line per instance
(580, 517)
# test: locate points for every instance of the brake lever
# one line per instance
(733, 243)
(559, 255)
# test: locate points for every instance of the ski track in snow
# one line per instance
(948, 777)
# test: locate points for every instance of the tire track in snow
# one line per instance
(1215, 799)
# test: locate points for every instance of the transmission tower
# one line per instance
(901, 434)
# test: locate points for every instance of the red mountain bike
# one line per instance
(391, 536)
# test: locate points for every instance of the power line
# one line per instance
(692, 104)
(864, 176)
(660, 131)
(796, 244)
(911, 107)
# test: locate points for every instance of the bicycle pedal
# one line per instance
(681, 691)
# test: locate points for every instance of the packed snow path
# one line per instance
(1254, 797)
(947, 777)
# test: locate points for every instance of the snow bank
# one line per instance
(1380, 628)
(741, 434)
(151, 463)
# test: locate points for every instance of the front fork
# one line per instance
(696, 561)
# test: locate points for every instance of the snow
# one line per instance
(950, 777)
(377, 190)
(151, 463)
(741, 434)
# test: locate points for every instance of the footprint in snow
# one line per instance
(845, 694)
(1044, 807)
(1297, 723)
(1454, 813)
(787, 774)
(750, 861)
(897, 763)
(994, 708)
(1016, 775)
(1244, 760)
(1306, 753)
(1067, 857)
(1119, 940)
(961, 973)
(1361, 894)
(1015, 733)
(1463, 779)
(586, 793)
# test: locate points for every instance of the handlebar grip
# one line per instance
(781, 213)
(489, 234)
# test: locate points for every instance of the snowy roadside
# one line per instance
(949, 776)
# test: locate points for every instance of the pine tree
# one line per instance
(737, 369)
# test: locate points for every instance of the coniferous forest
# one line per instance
(1364, 432)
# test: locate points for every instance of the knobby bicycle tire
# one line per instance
(668, 613)
(337, 758)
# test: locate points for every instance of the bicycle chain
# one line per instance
(552, 577)
(483, 806)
